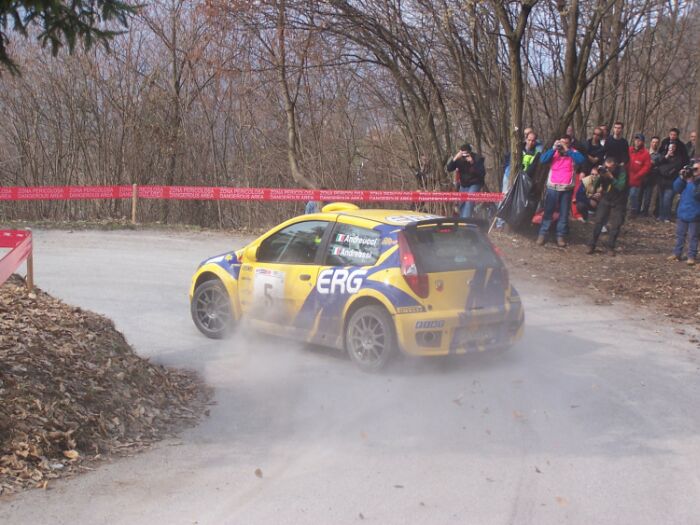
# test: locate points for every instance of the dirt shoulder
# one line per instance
(639, 274)
(73, 392)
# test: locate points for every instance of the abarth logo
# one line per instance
(339, 280)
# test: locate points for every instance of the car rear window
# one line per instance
(446, 248)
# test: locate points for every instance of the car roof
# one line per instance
(391, 217)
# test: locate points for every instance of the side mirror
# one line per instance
(250, 254)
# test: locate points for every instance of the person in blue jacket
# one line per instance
(688, 215)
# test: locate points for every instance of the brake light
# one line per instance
(416, 281)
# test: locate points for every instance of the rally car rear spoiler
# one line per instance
(448, 221)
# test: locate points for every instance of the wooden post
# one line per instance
(30, 266)
(30, 271)
(134, 201)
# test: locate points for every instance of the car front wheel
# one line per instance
(211, 309)
(370, 338)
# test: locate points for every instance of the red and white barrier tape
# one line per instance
(20, 242)
(21, 193)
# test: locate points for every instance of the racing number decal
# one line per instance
(268, 286)
(268, 295)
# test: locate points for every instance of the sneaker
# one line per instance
(561, 242)
(540, 240)
(691, 261)
(604, 230)
(673, 258)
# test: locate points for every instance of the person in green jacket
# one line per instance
(613, 203)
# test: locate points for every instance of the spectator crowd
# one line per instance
(604, 180)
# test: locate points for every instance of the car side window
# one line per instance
(295, 244)
(353, 246)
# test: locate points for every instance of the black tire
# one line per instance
(370, 338)
(211, 309)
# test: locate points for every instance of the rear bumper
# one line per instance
(460, 332)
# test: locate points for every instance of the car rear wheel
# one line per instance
(211, 309)
(370, 339)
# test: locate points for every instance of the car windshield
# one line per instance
(451, 247)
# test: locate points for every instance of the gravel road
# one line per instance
(592, 418)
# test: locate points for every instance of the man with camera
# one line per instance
(680, 150)
(613, 203)
(688, 218)
(469, 176)
(669, 167)
(560, 185)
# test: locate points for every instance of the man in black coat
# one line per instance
(469, 176)
(681, 152)
(595, 151)
(690, 146)
(616, 146)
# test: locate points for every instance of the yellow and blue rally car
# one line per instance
(370, 282)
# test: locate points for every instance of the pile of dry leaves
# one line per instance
(639, 273)
(72, 390)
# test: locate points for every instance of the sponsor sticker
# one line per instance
(429, 325)
(410, 309)
(339, 281)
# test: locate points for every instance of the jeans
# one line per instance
(647, 192)
(551, 200)
(635, 204)
(610, 211)
(465, 210)
(666, 203)
(690, 229)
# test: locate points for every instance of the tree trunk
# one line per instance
(289, 102)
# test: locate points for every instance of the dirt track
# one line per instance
(592, 418)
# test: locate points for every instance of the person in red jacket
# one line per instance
(638, 173)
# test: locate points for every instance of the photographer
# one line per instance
(469, 177)
(669, 167)
(613, 203)
(560, 185)
(688, 221)
(674, 138)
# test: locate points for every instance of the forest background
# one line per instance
(344, 95)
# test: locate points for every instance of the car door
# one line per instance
(274, 288)
(353, 247)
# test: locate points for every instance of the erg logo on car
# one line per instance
(339, 280)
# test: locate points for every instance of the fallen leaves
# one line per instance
(258, 473)
(73, 391)
(71, 454)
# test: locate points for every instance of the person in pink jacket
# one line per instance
(638, 173)
(560, 186)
